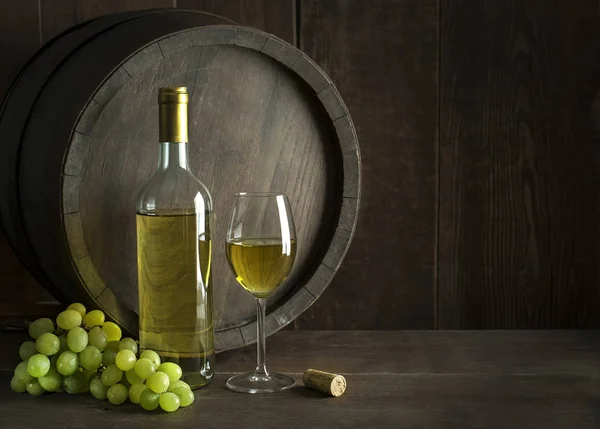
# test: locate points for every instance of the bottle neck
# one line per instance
(173, 155)
(173, 133)
(172, 122)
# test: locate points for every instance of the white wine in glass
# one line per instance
(261, 248)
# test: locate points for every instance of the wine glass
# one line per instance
(261, 248)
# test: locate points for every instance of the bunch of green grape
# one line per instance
(85, 353)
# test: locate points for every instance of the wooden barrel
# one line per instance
(263, 117)
(20, 99)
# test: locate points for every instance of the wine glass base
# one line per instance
(259, 383)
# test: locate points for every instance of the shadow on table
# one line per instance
(308, 393)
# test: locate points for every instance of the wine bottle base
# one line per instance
(197, 372)
(260, 383)
(196, 381)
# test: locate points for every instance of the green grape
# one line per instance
(133, 378)
(117, 394)
(158, 382)
(38, 365)
(78, 307)
(169, 402)
(27, 350)
(135, 391)
(90, 358)
(177, 384)
(112, 345)
(171, 369)
(144, 368)
(68, 319)
(186, 396)
(40, 326)
(152, 355)
(47, 344)
(128, 344)
(18, 386)
(109, 357)
(34, 388)
(149, 400)
(67, 363)
(21, 373)
(98, 389)
(98, 338)
(112, 330)
(77, 339)
(52, 381)
(125, 360)
(75, 383)
(94, 318)
(111, 375)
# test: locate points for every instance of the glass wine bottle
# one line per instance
(174, 252)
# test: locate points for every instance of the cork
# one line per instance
(326, 382)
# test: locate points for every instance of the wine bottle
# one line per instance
(174, 253)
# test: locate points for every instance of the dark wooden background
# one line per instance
(479, 124)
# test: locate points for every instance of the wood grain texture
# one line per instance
(17, 18)
(58, 15)
(375, 401)
(22, 296)
(519, 207)
(495, 380)
(277, 17)
(426, 352)
(520, 122)
(552, 352)
(19, 39)
(383, 58)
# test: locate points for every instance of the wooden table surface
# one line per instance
(396, 379)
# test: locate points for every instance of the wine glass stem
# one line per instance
(261, 307)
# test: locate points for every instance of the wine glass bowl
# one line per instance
(261, 249)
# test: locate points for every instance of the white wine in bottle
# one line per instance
(174, 252)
